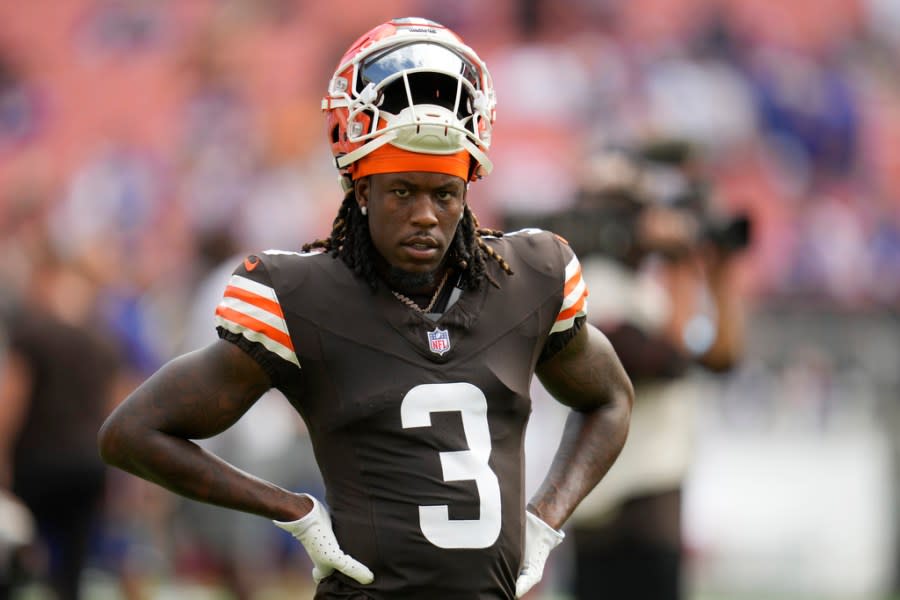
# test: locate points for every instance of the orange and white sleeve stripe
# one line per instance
(251, 309)
(575, 294)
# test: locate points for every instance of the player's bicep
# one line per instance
(586, 373)
(199, 394)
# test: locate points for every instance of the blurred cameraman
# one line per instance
(661, 265)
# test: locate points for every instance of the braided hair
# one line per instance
(468, 252)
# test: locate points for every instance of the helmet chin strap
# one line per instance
(484, 162)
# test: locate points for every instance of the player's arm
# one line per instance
(15, 387)
(587, 376)
(722, 273)
(195, 396)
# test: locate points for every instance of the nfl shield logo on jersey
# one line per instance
(439, 341)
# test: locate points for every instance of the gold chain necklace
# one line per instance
(412, 304)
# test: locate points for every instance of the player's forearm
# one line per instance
(195, 396)
(587, 376)
(185, 468)
(590, 443)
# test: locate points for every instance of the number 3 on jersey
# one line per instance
(471, 464)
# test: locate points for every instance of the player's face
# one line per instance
(412, 216)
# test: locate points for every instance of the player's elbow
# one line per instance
(622, 402)
(112, 441)
(627, 402)
(613, 409)
(618, 393)
(626, 393)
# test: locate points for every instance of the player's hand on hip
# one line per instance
(315, 533)
(540, 539)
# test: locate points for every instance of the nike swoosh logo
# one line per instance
(250, 265)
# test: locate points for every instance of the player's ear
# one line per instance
(361, 188)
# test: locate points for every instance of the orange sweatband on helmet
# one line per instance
(391, 159)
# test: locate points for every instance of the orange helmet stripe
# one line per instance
(391, 159)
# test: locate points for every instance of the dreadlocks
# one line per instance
(350, 241)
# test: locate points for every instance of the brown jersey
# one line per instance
(417, 425)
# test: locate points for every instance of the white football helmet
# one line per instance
(413, 83)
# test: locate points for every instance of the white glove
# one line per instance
(540, 539)
(315, 533)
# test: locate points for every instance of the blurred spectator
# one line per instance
(833, 252)
(547, 90)
(884, 20)
(20, 108)
(808, 112)
(71, 369)
(703, 99)
(108, 221)
(116, 27)
(218, 152)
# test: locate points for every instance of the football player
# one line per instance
(406, 340)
